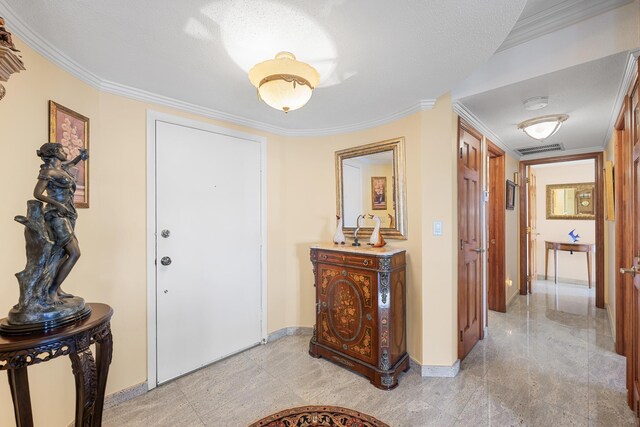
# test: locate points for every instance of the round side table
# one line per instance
(19, 352)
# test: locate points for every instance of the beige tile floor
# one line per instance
(548, 362)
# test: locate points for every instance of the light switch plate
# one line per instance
(437, 228)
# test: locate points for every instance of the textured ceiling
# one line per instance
(376, 57)
(585, 92)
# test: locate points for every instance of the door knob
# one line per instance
(165, 260)
(632, 271)
(165, 233)
(479, 250)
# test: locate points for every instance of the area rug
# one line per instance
(319, 416)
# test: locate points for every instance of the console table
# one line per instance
(588, 248)
(19, 352)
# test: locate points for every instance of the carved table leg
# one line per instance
(104, 350)
(546, 263)
(589, 268)
(84, 370)
(19, 384)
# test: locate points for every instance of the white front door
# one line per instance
(208, 232)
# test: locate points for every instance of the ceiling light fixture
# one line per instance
(541, 128)
(284, 83)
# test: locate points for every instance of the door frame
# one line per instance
(623, 239)
(496, 292)
(156, 116)
(482, 304)
(598, 158)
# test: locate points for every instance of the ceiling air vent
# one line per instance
(540, 149)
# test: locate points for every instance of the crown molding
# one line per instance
(460, 109)
(425, 104)
(629, 73)
(50, 52)
(153, 98)
(554, 18)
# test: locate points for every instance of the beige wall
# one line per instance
(438, 199)
(430, 159)
(311, 218)
(570, 267)
(301, 210)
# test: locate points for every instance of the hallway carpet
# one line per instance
(549, 361)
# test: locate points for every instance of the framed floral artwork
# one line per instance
(379, 192)
(72, 131)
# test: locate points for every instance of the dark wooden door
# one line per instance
(470, 243)
(496, 293)
(636, 250)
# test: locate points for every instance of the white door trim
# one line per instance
(152, 118)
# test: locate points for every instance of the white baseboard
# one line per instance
(513, 297)
(284, 332)
(438, 371)
(612, 321)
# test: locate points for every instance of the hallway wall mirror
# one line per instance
(370, 179)
(571, 201)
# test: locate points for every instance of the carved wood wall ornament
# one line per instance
(10, 61)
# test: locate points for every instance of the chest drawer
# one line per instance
(351, 260)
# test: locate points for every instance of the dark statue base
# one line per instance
(24, 322)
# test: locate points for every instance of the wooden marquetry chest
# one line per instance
(361, 310)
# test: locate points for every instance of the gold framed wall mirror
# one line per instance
(571, 201)
(370, 179)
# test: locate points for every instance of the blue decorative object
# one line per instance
(574, 236)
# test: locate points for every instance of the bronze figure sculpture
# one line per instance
(52, 249)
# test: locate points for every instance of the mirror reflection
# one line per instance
(571, 201)
(370, 180)
(368, 188)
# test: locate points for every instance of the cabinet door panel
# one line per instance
(346, 318)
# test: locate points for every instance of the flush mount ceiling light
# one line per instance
(284, 83)
(541, 128)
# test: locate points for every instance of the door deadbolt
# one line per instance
(165, 260)
(165, 233)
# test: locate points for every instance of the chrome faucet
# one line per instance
(355, 233)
